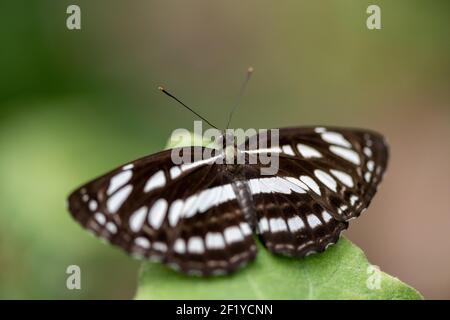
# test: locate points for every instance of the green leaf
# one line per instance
(341, 272)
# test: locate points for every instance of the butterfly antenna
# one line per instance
(184, 105)
(241, 92)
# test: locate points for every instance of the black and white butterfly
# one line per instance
(201, 218)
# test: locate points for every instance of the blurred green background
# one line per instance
(75, 104)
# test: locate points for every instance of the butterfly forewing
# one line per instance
(339, 168)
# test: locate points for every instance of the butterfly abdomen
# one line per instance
(245, 200)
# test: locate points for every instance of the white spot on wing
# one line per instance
(367, 176)
(214, 240)
(311, 184)
(157, 213)
(92, 205)
(342, 208)
(157, 180)
(175, 172)
(175, 212)
(287, 149)
(188, 166)
(208, 198)
(142, 242)
(118, 181)
(255, 186)
(353, 199)
(190, 206)
(245, 228)
(370, 165)
(128, 166)
(295, 223)
(111, 227)
(160, 246)
(179, 246)
(233, 234)
(276, 184)
(326, 216)
(115, 201)
(195, 245)
(100, 218)
(263, 225)
(265, 150)
(346, 154)
(277, 225)
(313, 221)
(343, 177)
(296, 185)
(137, 219)
(326, 179)
(367, 151)
(320, 129)
(335, 138)
(227, 193)
(307, 151)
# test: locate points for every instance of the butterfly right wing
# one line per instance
(185, 216)
(324, 178)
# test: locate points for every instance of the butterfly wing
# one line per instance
(186, 216)
(326, 177)
(296, 225)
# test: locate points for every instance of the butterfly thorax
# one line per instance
(227, 143)
(235, 168)
(230, 153)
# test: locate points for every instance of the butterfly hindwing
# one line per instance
(186, 216)
(295, 225)
(289, 220)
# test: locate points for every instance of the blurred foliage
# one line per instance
(74, 104)
(47, 158)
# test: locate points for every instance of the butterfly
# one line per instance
(202, 218)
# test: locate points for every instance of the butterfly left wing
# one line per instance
(185, 216)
